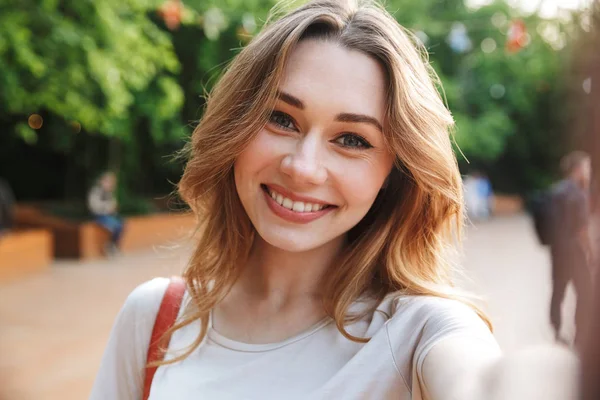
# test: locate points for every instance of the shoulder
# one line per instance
(419, 323)
(573, 197)
(121, 371)
(566, 189)
(423, 321)
(142, 304)
(436, 312)
(148, 291)
(133, 326)
(147, 294)
(560, 188)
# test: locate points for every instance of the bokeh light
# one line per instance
(422, 36)
(76, 126)
(488, 45)
(587, 85)
(497, 91)
(35, 121)
(499, 19)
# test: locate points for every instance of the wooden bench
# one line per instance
(23, 252)
(139, 233)
(507, 204)
(86, 240)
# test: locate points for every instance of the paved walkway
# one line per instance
(54, 326)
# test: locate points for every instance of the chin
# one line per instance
(292, 245)
(290, 242)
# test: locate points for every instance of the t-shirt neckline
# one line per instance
(223, 341)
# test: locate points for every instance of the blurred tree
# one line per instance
(89, 69)
(212, 33)
(119, 82)
(503, 85)
(116, 84)
(96, 63)
(506, 96)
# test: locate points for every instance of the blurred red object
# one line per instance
(171, 12)
(589, 107)
(517, 36)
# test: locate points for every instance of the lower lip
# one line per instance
(293, 216)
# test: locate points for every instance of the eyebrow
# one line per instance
(343, 117)
(291, 100)
(349, 117)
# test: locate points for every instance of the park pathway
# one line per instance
(53, 326)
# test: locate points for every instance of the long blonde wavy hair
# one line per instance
(404, 243)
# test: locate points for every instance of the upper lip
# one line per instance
(294, 197)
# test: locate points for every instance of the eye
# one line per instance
(353, 141)
(282, 120)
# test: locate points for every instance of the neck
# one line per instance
(277, 295)
(275, 273)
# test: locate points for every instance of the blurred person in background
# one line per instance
(102, 203)
(484, 187)
(473, 203)
(329, 206)
(7, 203)
(570, 244)
(478, 196)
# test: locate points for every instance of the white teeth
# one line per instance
(297, 206)
(312, 207)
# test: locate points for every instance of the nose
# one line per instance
(303, 166)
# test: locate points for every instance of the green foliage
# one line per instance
(508, 107)
(87, 61)
(135, 87)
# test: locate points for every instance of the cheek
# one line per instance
(261, 150)
(262, 153)
(361, 182)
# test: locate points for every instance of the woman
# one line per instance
(330, 202)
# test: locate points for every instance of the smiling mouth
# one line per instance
(295, 206)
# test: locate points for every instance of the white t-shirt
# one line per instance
(317, 364)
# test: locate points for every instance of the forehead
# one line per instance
(326, 75)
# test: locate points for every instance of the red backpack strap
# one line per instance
(167, 314)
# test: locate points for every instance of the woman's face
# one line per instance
(315, 169)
